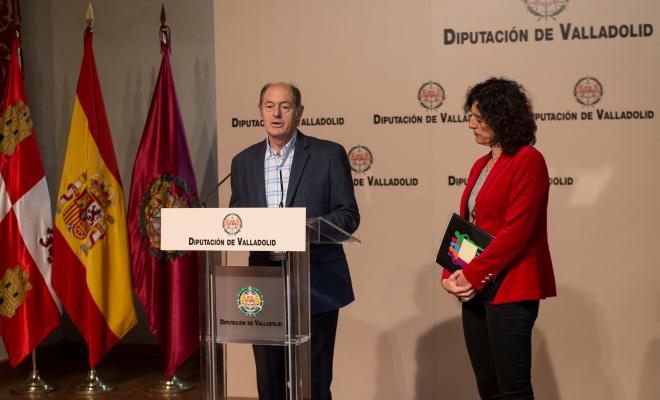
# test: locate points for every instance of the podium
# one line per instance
(266, 305)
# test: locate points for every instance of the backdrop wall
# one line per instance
(364, 69)
(357, 60)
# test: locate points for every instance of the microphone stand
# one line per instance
(215, 188)
(209, 351)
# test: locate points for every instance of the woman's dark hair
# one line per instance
(506, 109)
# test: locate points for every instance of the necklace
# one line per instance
(492, 161)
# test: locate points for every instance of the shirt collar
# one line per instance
(285, 150)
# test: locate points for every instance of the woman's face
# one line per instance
(482, 132)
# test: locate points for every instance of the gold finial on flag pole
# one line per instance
(164, 32)
(89, 17)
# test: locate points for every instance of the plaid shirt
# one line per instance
(273, 164)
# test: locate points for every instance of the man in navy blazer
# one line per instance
(290, 169)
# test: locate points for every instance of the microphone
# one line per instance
(215, 188)
(279, 256)
(281, 190)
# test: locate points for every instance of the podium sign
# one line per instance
(233, 229)
(257, 314)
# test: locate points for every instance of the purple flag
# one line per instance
(165, 281)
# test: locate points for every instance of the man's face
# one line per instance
(279, 112)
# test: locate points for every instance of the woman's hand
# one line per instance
(457, 285)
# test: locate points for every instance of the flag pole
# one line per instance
(34, 385)
(174, 384)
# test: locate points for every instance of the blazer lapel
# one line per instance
(297, 165)
(499, 166)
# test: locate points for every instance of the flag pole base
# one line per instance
(92, 385)
(170, 386)
(34, 385)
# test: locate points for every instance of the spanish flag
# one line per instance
(91, 265)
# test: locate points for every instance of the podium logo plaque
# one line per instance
(257, 313)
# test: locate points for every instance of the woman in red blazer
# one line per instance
(507, 196)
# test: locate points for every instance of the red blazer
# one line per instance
(512, 205)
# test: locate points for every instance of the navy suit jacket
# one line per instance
(321, 181)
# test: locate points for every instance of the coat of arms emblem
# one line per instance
(15, 125)
(166, 191)
(84, 208)
(250, 301)
(14, 285)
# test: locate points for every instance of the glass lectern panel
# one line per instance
(250, 305)
(262, 305)
(322, 231)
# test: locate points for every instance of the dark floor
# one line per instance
(132, 368)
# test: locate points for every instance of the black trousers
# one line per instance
(499, 342)
(270, 361)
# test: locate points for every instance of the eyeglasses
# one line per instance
(284, 108)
